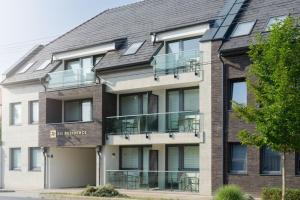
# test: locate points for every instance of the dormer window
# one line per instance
(243, 28)
(183, 45)
(23, 70)
(133, 48)
(275, 20)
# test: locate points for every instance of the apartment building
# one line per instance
(138, 97)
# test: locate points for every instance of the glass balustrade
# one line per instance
(69, 78)
(171, 122)
(157, 180)
(184, 61)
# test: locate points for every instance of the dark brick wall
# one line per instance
(236, 67)
(217, 118)
(93, 129)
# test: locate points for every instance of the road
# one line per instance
(17, 198)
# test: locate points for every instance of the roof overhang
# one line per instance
(180, 32)
(89, 51)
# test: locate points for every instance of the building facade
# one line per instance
(139, 97)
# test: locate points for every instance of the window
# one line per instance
(183, 158)
(133, 48)
(298, 163)
(237, 158)
(44, 65)
(270, 162)
(243, 28)
(15, 111)
(185, 99)
(35, 156)
(183, 45)
(15, 159)
(134, 104)
(275, 20)
(130, 158)
(136, 157)
(191, 157)
(23, 70)
(34, 112)
(239, 92)
(78, 110)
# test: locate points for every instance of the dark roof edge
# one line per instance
(184, 26)
(234, 51)
(32, 52)
(119, 42)
(21, 82)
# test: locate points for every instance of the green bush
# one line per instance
(275, 194)
(104, 191)
(89, 191)
(230, 192)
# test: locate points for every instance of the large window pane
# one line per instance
(35, 159)
(72, 111)
(129, 105)
(173, 158)
(130, 158)
(15, 159)
(239, 92)
(86, 110)
(191, 100)
(173, 47)
(238, 158)
(16, 114)
(191, 44)
(271, 161)
(73, 64)
(191, 157)
(34, 112)
(87, 65)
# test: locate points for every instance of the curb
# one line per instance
(77, 197)
(3, 190)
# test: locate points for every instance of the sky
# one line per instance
(25, 23)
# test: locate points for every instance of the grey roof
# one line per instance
(261, 11)
(135, 22)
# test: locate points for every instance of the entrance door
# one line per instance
(153, 168)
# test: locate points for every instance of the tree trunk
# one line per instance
(283, 175)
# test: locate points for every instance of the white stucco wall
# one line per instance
(71, 167)
(23, 136)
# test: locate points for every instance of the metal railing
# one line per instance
(174, 63)
(187, 181)
(68, 78)
(171, 122)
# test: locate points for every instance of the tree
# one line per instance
(274, 80)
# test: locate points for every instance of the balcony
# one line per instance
(171, 122)
(174, 63)
(187, 181)
(70, 78)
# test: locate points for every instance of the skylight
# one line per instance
(133, 48)
(275, 20)
(243, 28)
(25, 68)
(44, 65)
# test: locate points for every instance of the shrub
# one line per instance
(230, 192)
(89, 191)
(275, 194)
(106, 191)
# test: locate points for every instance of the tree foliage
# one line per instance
(274, 80)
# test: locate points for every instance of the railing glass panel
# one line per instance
(172, 122)
(184, 61)
(69, 78)
(157, 180)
